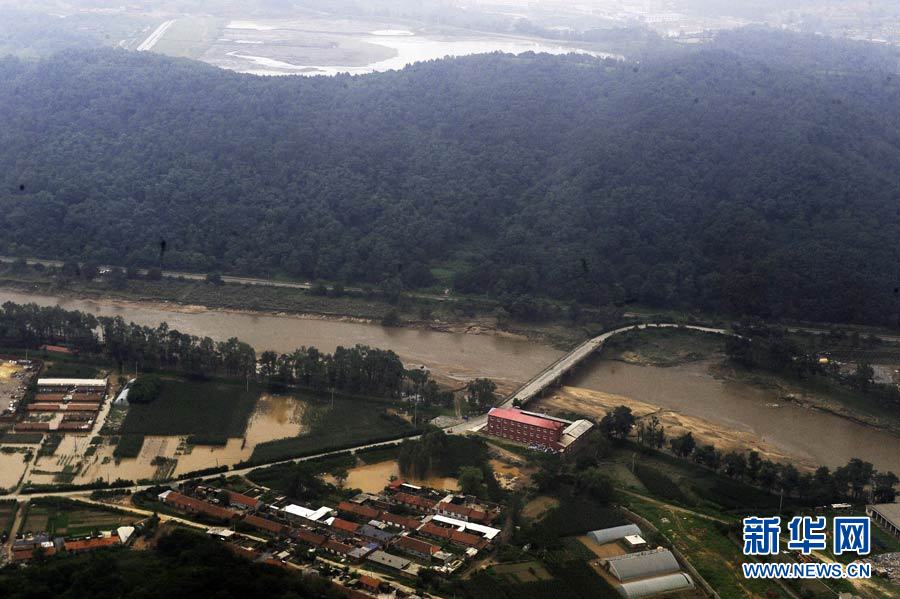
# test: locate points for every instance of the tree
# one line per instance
(883, 484)
(753, 465)
(595, 483)
(480, 394)
(391, 319)
(618, 422)
(651, 433)
(471, 480)
(340, 477)
(214, 278)
(854, 477)
(683, 445)
(708, 456)
(734, 464)
(145, 389)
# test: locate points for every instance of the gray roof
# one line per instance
(388, 560)
(371, 532)
(888, 511)
(608, 535)
(653, 586)
(644, 563)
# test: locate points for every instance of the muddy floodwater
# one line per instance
(275, 417)
(819, 437)
(373, 478)
(813, 436)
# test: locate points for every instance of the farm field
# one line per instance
(350, 421)
(211, 408)
(71, 519)
(7, 515)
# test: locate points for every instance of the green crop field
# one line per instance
(70, 369)
(7, 515)
(194, 407)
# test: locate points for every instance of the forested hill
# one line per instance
(710, 180)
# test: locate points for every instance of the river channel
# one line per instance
(813, 436)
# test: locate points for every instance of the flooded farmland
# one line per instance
(274, 417)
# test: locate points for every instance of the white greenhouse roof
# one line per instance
(608, 535)
(669, 583)
(643, 564)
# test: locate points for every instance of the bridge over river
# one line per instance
(552, 375)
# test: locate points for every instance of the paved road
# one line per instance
(235, 472)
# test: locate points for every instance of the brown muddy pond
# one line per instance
(373, 478)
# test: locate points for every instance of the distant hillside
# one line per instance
(710, 180)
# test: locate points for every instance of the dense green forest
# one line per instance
(722, 179)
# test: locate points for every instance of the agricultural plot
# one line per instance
(522, 572)
(70, 370)
(350, 421)
(7, 516)
(71, 519)
(194, 407)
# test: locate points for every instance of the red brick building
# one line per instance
(518, 426)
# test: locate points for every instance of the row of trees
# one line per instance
(360, 369)
(770, 348)
(858, 480)
(355, 370)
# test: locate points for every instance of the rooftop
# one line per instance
(522, 418)
(72, 382)
(888, 511)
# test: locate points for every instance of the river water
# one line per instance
(456, 355)
(814, 436)
(818, 437)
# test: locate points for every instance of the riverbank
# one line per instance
(668, 348)
(475, 316)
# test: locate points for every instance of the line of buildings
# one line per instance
(402, 530)
(64, 404)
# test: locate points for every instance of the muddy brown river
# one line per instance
(815, 436)
(459, 356)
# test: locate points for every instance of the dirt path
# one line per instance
(675, 508)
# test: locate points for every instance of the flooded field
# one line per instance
(274, 417)
(372, 478)
(12, 465)
(813, 436)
